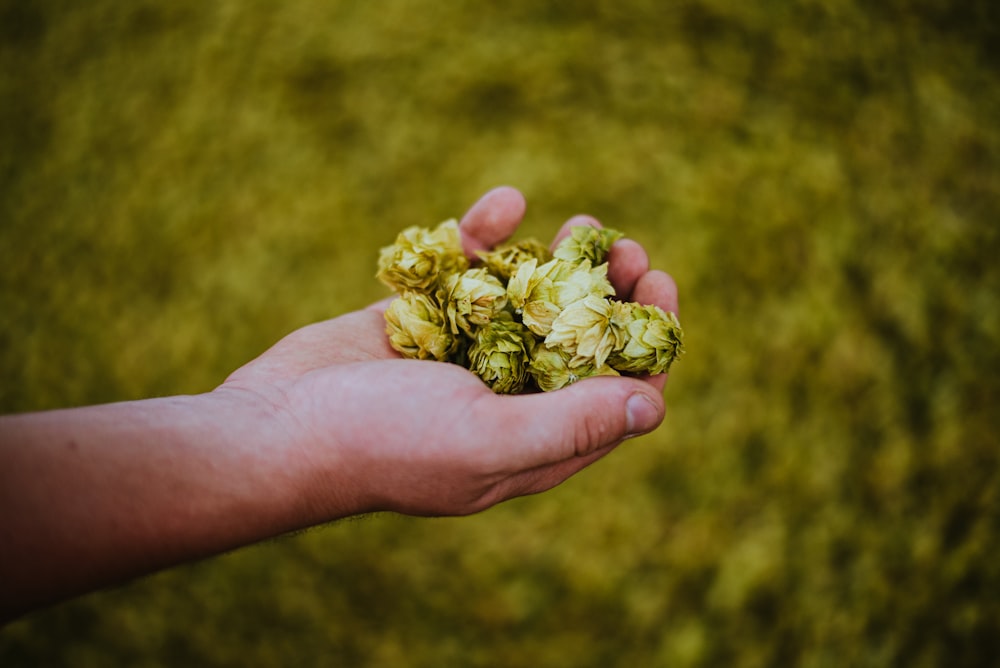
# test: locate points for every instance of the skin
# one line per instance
(307, 433)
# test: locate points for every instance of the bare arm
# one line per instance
(97, 495)
(329, 422)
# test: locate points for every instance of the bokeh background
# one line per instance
(183, 182)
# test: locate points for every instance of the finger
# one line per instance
(544, 478)
(658, 382)
(576, 421)
(657, 288)
(492, 219)
(627, 262)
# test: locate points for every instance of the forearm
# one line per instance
(94, 496)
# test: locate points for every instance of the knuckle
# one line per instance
(593, 432)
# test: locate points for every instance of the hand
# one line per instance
(376, 432)
(328, 423)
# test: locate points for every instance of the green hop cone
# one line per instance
(420, 256)
(654, 340)
(587, 243)
(504, 260)
(501, 354)
(590, 330)
(472, 299)
(524, 317)
(418, 328)
(552, 369)
(540, 293)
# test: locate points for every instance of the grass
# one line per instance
(183, 183)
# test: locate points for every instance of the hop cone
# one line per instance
(472, 299)
(553, 369)
(590, 329)
(654, 341)
(540, 293)
(419, 257)
(418, 328)
(501, 354)
(525, 315)
(587, 243)
(503, 261)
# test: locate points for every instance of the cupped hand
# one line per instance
(378, 432)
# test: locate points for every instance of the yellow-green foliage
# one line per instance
(183, 182)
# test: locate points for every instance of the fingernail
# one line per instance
(642, 415)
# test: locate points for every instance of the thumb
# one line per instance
(577, 420)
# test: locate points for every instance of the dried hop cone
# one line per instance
(587, 243)
(540, 293)
(590, 330)
(523, 317)
(472, 299)
(501, 355)
(504, 260)
(655, 340)
(420, 256)
(418, 328)
(553, 369)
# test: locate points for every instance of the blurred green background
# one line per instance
(182, 183)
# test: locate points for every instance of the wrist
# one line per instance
(296, 472)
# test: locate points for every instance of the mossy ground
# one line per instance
(183, 183)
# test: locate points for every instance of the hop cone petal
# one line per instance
(522, 283)
(572, 282)
(539, 315)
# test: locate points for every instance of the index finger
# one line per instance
(492, 219)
